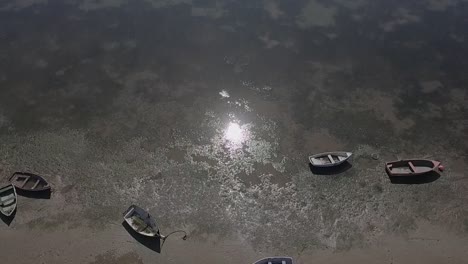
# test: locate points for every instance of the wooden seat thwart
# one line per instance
(413, 169)
(36, 184)
(26, 179)
(8, 202)
(331, 159)
(7, 198)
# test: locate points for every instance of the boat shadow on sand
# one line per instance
(153, 243)
(36, 195)
(418, 179)
(330, 170)
(8, 219)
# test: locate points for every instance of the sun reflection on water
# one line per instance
(236, 135)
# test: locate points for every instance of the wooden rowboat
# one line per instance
(7, 200)
(26, 181)
(275, 260)
(141, 221)
(412, 167)
(329, 159)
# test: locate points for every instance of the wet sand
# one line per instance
(204, 113)
(427, 244)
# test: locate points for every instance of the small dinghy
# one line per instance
(26, 181)
(412, 167)
(141, 221)
(329, 159)
(7, 200)
(275, 260)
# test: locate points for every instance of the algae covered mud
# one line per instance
(204, 112)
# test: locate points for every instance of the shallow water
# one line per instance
(205, 112)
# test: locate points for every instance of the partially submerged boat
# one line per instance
(329, 159)
(141, 221)
(7, 200)
(26, 181)
(412, 167)
(275, 260)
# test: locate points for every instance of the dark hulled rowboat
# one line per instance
(26, 181)
(329, 159)
(7, 200)
(141, 221)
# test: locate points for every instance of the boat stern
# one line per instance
(388, 168)
(438, 165)
(129, 211)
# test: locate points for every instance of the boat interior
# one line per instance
(28, 182)
(415, 166)
(7, 198)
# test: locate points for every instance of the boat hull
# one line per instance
(29, 182)
(141, 221)
(275, 260)
(329, 159)
(411, 167)
(8, 200)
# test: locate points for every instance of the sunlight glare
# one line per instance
(234, 133)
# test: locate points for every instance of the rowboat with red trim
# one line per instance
(412, 167)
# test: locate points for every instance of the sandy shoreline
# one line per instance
(428, 244)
